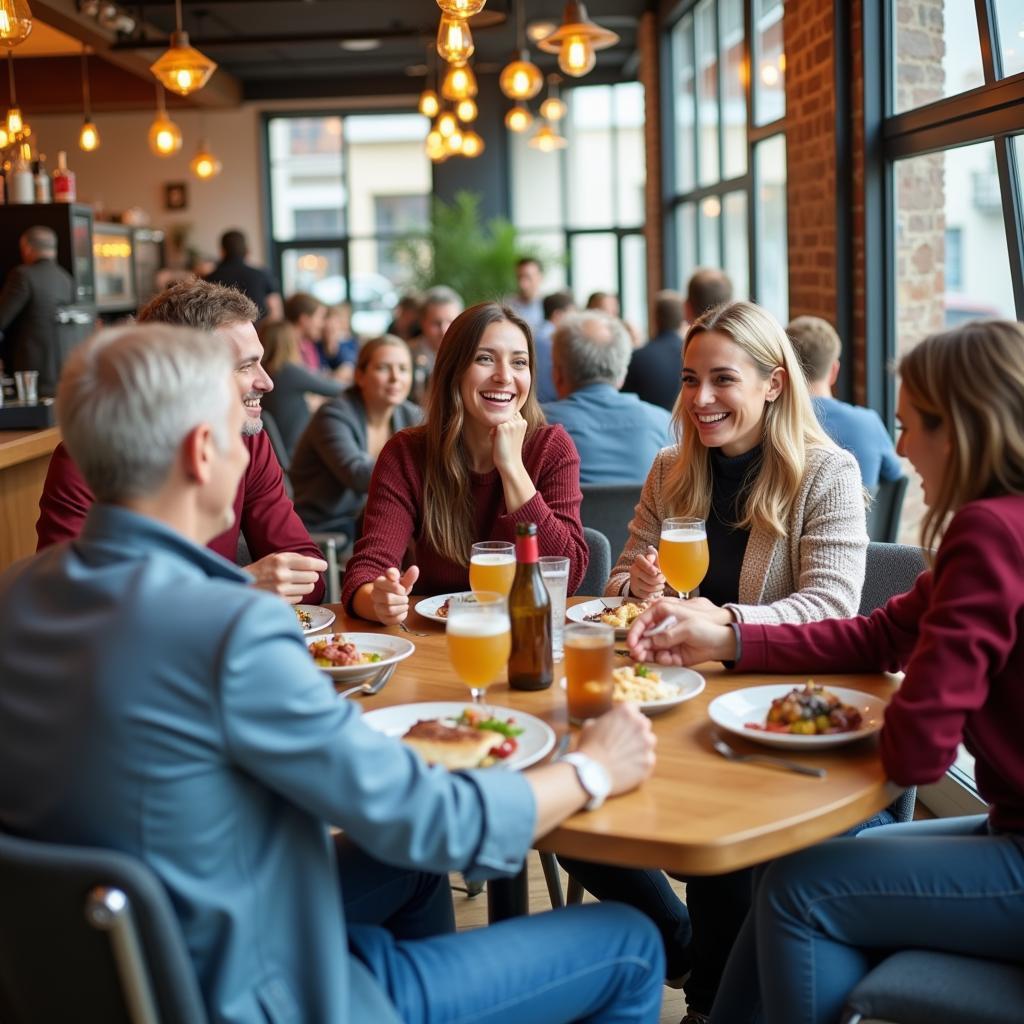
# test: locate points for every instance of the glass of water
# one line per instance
(554, 570)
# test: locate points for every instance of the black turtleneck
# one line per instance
(730, 481)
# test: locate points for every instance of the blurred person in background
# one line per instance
(405, 323)
(654, 369)
(235, 271)
(338, 346)
(441, 305)
(556, 307)
(604, 302)
(307, 313)
(527, 301)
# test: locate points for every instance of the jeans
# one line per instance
(597, 963)
(823, 917)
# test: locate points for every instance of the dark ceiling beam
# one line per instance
(279, 39)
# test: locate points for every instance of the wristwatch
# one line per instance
(593, 778)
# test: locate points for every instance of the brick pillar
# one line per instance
(650, 64)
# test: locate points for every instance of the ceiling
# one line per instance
(305, 49)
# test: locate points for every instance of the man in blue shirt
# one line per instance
(181, 719)
(526, 301)
(557, 307)
(617, 435)
(853, 427)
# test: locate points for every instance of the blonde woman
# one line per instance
(783, 504)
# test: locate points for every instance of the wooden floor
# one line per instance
(472, 913)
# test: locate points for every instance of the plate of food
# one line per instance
(312, 617)
(801, 717)
(457, 734)
(355, 656)
(618, 612)
(654, 690)
(436, 608)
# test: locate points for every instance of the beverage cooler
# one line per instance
(126, 261)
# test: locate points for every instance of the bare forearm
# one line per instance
(557, 793)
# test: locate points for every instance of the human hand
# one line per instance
(390, 595)
(696, 636)
(287, 574)
(507, 441)
(645, 577)
(623, 742)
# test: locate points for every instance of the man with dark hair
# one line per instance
(557, 306)
(286, 561)
(441, 305)
(28, 308)
(235, 272)
(858, 430)
(526, 302)
(604, 302)
(654, 369)
(708, 287)
(405, 323)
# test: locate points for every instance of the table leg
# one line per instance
(508, 897)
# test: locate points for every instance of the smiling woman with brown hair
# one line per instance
(483, 461)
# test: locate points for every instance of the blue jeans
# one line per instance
(824, 917)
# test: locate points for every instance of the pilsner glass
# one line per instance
(588, 669)
(479, 639)
(683, 553)
(492, 566)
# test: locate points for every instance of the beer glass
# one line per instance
(492, 566)
(588, 669)
(683, 553)
(479, 639)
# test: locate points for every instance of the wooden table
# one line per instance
(699, 814)
(24, 458)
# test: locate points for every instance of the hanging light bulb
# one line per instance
(461, 8)
(447, 125)
(454, 40)
(164, 134)
(181, 68)
(518, 119)
(15, 122)
(459, 83)
(466, 110)
(435, 144)
(521, 79)
(89, 136)
(546, 139)
(453, 143)
(429, 104)
(204, 164)
(4, 137)
(15, 22)
(576, 40)
(472, 144)
(553, 108)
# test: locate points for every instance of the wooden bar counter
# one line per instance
(24, 456)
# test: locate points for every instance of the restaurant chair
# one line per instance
(891, 569)
(89, 934)
(599, 567)
(885, 508)
(917, 986)
(610, 508)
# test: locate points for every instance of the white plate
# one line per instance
(685, 681)
(391, 649)
(536, 740)
(579, 612)
(322, 617)
(732, 712)
(429, 605)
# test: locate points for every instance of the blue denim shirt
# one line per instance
(861, 432)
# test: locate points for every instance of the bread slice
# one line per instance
(451, 746)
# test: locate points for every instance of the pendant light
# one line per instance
(466, 110)
(15, 122)
(546, 139)
(472, 144)
(89, 136)
(554, 107)
(459, 83)
(518, 118)
(204, 165)
(447, 124)
(520, 79)
(429, 105)
(182, 68)
(461, 8)
(454, 40)
(435, 145)
(164, 134)
(16, 22)
(576, 40)
(453, 142)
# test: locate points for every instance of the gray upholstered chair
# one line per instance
(884, 511)
(89, 934)
(599, 568)
(609, 508)
(891, 569)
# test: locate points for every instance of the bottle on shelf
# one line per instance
(41, 180)
(20, 183)
(63, 180)
(529, 608)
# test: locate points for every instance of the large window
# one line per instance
(583, 206)
(727, 166)
(342, 189)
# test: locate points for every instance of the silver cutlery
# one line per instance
(412, 632)
(372, 686)
(666, 623)
(766, 759)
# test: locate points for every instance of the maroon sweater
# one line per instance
(959, 636)
(264, 513)
(394, 513)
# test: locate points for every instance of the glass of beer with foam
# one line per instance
(683, 553)
(479, 639)
(492, 566)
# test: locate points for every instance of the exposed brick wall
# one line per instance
(650, 69)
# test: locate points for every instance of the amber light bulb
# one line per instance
(454, 40)
(89, 137)
(518, 119)
(429, 104)
(472, 144)
(521, 79)
(461, 8)
(446, 124)
(164, 136)
(577, 56)
(467, 111)
(204, 164)
(459, 83)
(15, 22)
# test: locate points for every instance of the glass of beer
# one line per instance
(479, 639)
(588, 670)
(683, 553)
(492, 566)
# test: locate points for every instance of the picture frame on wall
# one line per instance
(176, 195)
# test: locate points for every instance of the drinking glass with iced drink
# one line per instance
(588, 670)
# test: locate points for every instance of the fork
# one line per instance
(766, 759)
(412, 632)
(375, 685)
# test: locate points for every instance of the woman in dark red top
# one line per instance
(483, 461)
(824, 916)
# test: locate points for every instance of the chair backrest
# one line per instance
(89, 934)
(884, 513)
(891, 569)
(599, 568)
(609, 508)
(273, 431)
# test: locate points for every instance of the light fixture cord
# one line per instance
(520, 32)
(177, 13)
(160, 108)
(85, 85)
(10, 78)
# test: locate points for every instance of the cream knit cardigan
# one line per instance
(814, 572)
